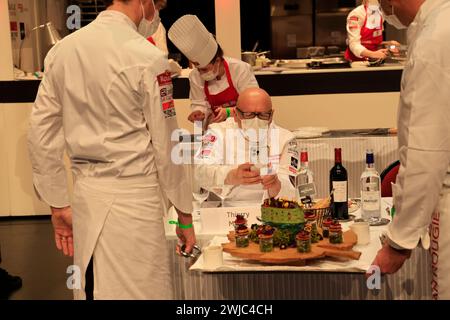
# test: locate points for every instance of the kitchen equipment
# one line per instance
(250, 56)
(302, 53)
(329, 63)
(333, 50)
(255, 46)
(316, 51)
(294, 64)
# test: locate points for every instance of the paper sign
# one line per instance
(220, 220)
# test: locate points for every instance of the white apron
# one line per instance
(440, 245)
(120, 224)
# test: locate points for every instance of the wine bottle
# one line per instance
(339, 188)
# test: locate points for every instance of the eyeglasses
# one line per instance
(251, 115)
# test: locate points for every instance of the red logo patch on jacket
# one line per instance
(166, 94)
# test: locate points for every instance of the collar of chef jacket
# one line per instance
(116, 16)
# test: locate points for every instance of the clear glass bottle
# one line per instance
(306, 186)
(370, 191)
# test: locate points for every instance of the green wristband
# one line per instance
(228, 112)
(182, 226)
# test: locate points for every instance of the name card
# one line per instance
(221, 220)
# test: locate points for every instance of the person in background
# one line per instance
(217, 80)
(422, 190)
(365, 33)
(261, 152)
(106, 99)
(159, 38)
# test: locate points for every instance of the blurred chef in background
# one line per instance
(365, 33)
(217, 80)
(248, 154)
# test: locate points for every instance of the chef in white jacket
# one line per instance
(422, 190)
(106, 99)
(248, 155)
(217, 80)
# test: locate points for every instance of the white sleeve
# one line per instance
(159, 112)
(197, 94)
(355, 22)
(46, 144)
(246, 78)
(424, 139)
(211, 169)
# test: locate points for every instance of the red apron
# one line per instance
(370, 38)
(225, 99)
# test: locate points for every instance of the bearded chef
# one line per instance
(422, 190)
(116, 129)
(365, 33)
(248, 155)
(217, 80)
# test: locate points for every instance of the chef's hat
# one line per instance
(192, 38)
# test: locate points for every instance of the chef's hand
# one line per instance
(243, 175)
(62, 225)
(186, 236)
(390, 260)
(379, 54)
(219, 115)
(196, 116)
(272, 184)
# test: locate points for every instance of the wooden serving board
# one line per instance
(291, 256)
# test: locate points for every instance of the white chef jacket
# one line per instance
(105, 99)
(160, 38)
(214, 160)
(241, 75)
(423, 126)
(355, 21)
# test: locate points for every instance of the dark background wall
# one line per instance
(255, 24)
(203, 9)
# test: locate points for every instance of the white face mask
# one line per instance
(148, 28)
(393, 20)
(254, 124)
(210, 75)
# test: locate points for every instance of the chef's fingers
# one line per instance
(245, 166)
(269, 179)
(253, 180)
(70, 246)
(200, 116)
(65, 246)
(58, 241)
(251, 174)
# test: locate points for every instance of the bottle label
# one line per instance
(370, 200)
(307, 189)
(340, 191)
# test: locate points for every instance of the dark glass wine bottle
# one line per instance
(339, 188)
